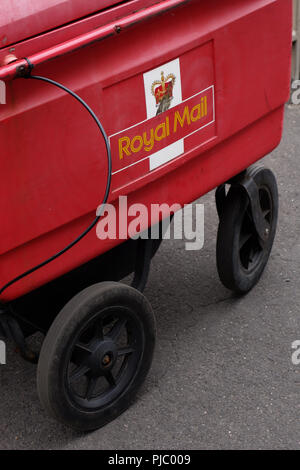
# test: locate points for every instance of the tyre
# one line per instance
(241, 254)
(96, 355)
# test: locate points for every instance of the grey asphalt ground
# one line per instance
(222, 375)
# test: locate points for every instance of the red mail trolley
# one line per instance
(158, 101)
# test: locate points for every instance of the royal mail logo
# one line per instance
(183, 120)
(170, 121)
(153, 135)
(162, 90)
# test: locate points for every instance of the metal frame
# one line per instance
(245, 182)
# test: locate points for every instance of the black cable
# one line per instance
(107, 189)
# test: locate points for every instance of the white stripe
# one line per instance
(166, 154)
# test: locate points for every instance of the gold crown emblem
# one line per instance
(163, 87)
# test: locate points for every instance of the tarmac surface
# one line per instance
(222, 375)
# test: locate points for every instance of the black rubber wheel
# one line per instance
(241, 254)
(96, 355)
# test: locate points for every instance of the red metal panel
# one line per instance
(18, 67)
(21, 19)
(52, 158)
(74, 29)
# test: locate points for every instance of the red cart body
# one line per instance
(189, 92)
